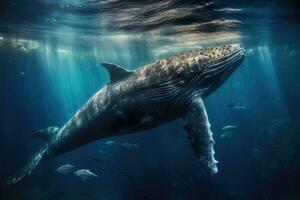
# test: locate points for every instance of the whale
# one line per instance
(137, 100)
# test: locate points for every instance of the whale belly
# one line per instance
(131, 114)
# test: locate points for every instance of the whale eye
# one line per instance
(179, 71)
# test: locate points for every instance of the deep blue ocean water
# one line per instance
(50, 55)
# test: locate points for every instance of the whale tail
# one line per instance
(28, 167)
(45, 134)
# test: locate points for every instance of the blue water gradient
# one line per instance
(49, 74)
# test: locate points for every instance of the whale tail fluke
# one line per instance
(28, 167)
(45, 134)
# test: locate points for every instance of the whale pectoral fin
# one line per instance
(116, 72)
(47, 133)
(198, 128)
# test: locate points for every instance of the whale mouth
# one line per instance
(227, 58)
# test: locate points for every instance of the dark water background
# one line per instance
(50, 54)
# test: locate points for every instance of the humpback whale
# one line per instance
(141, 99)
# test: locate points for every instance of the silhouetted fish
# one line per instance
(237, 107)
(85, 174)
(64, 169)
(229, 128)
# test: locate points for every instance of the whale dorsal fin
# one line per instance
(116, 72)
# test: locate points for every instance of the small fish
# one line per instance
(128, 145)
(229, 128)
(64, 169)
(102, 151)
(237, 107)
(22, 73)
(226, 134)
(110, 142)
(85, 174)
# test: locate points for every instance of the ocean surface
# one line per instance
(50, 55)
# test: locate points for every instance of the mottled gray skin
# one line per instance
(150, 96)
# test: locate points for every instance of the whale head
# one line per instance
(206, 69)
